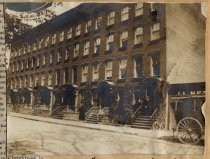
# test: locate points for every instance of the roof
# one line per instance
(72, 17)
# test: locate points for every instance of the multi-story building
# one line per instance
(113, 42)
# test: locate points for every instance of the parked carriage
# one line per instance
(186, 101)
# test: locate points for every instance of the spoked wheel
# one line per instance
(189, 130)
(58, 112)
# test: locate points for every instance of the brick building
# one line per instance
(96, 42)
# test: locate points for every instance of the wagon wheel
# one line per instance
(58, 112)
(189, 130)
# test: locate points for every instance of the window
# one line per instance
(31, 81)
(155, 64)
(138, 66)
(27, 63)
(125, 14)
(51, 57)
(88, 26)
(53, 39)
(57, 78)
(50, 79)
(153, 7)
(109, 44)
(155, 31)
(40, 43)
(38, 61)
(24, 50)
(37, 80)
(44, 59)
(61, 37)
(33, 62)
(111, 18)
(108, 70)
(84, 73)
(78, 30)
(98, 23)
(47, 40)
(69, 33)
(86, 48)
(29, 48)
(139, 9)
(67, 52)
(138, 36)
(22, 63)
(43, 80)
(76, 50)
(66, 76)
(97, 44)
(122, 69)
(124, 39)
(34, 47)
(74, 74)
(59, 58)
(95, 72)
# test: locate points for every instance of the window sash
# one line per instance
(76, 50)
(54, 39)
(95, 72)
(86, 48)
(47, 41)
(69, 33)
(139, 9)
(111, 18)
(78, 30)
(125, 14)
(84, 73)
(61, 38)
(98, 22)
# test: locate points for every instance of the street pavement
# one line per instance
(59, 137)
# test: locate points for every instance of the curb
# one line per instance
(124, 130)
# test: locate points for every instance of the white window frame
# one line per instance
(29, 48)
(51, 57)
(78, 30)
(123, 37)
(44, 59)
(54, 39)
(95, 74)
(47, 40)
(61, 36)
(86, 48)
(38, 61)
(57, 73)
(76, 50)
(59, 55)
(125, 14)
(40, 43)
(88, 26)
(69, 33)
(34, 46)
(43, 79)
(108, 70)
(122, 65)
(111, 18)
(98, 22)
(64, 76)
(139, 9)
(138, 35)
(155, 31)
(97, 42)
(49, 79)
(110, 39)
(84, 73)
(67, 53)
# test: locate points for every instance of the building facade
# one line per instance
(118, 43)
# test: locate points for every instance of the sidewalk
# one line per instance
(82, 124)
